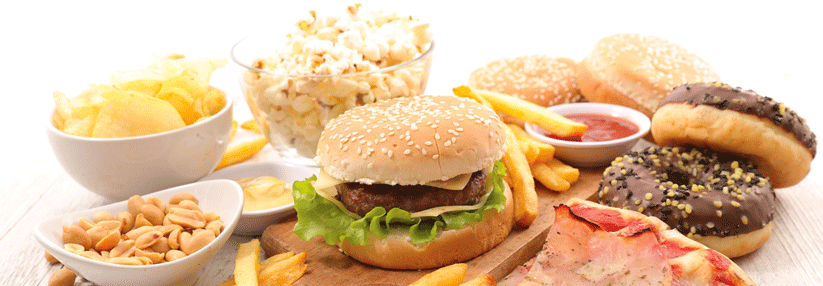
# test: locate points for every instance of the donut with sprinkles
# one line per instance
(717, 199)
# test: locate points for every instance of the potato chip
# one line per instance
(172, 90)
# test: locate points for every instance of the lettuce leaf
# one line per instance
(319, 216)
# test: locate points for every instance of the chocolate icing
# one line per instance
(696, 191)
(723, 96)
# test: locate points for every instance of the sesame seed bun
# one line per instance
(411, 140)
(638, 71)
(540, 79)
(396, 251)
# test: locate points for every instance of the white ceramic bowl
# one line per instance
(255, 222)
(224, 197)
(593, 154)
(118, 168)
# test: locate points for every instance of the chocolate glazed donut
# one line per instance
(716, 199)
(729, 119)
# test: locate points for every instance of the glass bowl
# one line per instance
(293, 109)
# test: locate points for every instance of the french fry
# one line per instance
(233, 129)
(525, 196)
(530, 151)
(247, 263)
(240, 152)
(467, 92)
(251, 125)
(286, 277)
(276, 267)
(545, 151)
(482, 280)
(274, 259)
(549, 178)
(549, 121)
(450, 275)
(568, 173)
(228, 282)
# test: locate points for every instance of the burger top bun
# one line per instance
(540, 79)
(440, 137)
(638, 71)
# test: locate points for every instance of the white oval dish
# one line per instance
(593, 154)
(255, 222)
(225, 197)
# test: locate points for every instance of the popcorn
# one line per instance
(296, 109)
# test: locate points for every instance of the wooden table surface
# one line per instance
(64, 46)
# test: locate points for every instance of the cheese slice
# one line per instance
(325, 186)
(324, 180)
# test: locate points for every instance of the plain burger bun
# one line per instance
(638, 71)
(540, 79)
(411, 141)
(396, 251)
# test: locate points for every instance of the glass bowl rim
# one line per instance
(425, 55)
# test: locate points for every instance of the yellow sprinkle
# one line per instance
(735, 165)
(745, 220)
(692, 230)
(710, 224)
(649, 196)
(735, 204)
(676, 203)
(719, 213)
(637, 202)
(640, 209)
(718, 204)
(688, 208)
(605, 190)
(679, 205)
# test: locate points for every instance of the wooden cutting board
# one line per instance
(329, 266)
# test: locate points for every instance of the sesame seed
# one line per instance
(407, 152)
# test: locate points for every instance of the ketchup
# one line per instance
(602, 127)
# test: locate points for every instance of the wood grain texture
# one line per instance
(327, 265)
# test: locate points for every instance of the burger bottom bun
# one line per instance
(738, 245)
(776, 152)
(396, 251)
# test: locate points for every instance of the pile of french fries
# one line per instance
(281, 269)
(527, 159)
(453, 275)
(242, 151)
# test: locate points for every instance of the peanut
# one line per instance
(167, 229)
(197, 242)
(184, 239)
(211, 216)
(187, 204)
(140, 220)
(126, 261)
(137, 232)
(91, 254)
(174, 238)
(161, 246)
(76, 235)
(177, 198)
(127, 221)
(153, 256)
(187, 218)
(110, 225)
(50, 258)
(143, 260)
(157, 202)
(108, 242)
(134, 203)
(215, 226)
(123, 249)
(62, 277)
(85, 223)
(101, 216)
(73, 248)
(173, 255)
(96, 234)
(147, 239)
(152, 213)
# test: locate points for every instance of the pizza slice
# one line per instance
(592, 244)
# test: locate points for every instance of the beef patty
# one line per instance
(362, 198)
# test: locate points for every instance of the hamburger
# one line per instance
(409, 183)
